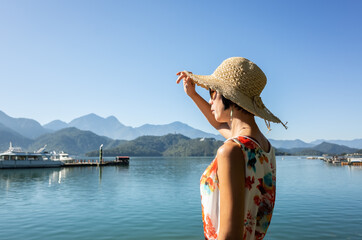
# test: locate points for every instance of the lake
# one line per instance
(158, 198)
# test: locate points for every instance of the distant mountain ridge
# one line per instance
(27, 127)
(322, 148)
(8, 135)
(291, 144)
(112, 128)
(23, 132)
(73, 141)
(56, 125)
(175, 145)
(288, 144)
(79, 142)
(355, 143)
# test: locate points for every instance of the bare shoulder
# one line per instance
(230, 166)
(230, 154)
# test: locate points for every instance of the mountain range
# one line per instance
(112, 128)
(85, 133)
(28, 128)
(175, 145)
(73, 141)
(320, 149)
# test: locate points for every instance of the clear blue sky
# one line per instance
(64, 59)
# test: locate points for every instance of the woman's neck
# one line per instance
(245, 126)
(240, 128)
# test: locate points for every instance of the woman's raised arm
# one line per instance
(205, 108)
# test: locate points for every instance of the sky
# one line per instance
(60, 60)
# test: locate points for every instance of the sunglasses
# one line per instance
(212, 94)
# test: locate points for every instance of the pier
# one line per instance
(119, 161)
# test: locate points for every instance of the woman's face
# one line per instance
(217, 107)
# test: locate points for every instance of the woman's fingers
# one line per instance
(182, 75)
(179, 79)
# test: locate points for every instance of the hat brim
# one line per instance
(251, 105)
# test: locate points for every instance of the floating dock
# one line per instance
(119, 161)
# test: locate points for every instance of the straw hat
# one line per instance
(241, 81)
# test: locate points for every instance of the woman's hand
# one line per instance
(189, 85)
(204, 106)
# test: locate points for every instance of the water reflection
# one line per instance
(100, 174)
(9, 177)
(19, 177)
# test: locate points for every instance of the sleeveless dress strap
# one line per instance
(235, 140)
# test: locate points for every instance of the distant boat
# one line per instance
(355, 158)
(15, 157)
(61, 156)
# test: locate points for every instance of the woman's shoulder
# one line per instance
(230, 163)
(229, 151)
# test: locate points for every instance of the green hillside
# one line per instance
(72, 141)
(194, 147)
(168, 145)
(332, 148)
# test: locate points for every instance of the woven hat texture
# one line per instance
(241, 81)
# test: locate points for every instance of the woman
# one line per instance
(238, 187)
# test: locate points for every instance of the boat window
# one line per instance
(13, 157)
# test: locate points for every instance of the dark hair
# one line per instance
(227, 103)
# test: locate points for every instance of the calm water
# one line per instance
(158, 198)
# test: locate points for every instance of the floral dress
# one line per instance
(259, 191)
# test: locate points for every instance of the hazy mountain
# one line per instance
(112, 128)
(323, 148)
(72, 141)
(288, 144)
(109, 127)
(355, 143)
(175, 127)
(56, 125)
(21, 130)
(331, 148)
(27, 127)
(8, 135)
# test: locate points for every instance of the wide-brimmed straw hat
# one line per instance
(241, 81)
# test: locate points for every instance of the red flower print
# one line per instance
(214, 166)
(249, 215)
(210, 230)
(248, 222)
(210, 183)
(247, 142)
(257, 200)
(249, 182)
(259, 235)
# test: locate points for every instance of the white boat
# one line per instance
(15, 157)
(354, 160)
(61, 156)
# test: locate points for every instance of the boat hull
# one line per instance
(29, 164)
